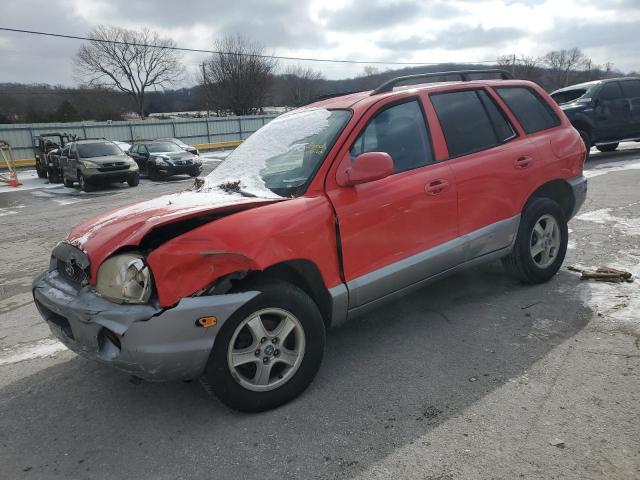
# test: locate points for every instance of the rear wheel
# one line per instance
(586, 138)
(269, 351)
(541, 243)
(609, 147)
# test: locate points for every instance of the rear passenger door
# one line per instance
(492, 166)
(631, 92)
(613, 113)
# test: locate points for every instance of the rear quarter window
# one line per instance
(531, 110)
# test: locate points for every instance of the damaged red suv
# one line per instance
(323, 214)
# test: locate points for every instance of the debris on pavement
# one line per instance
(604, 274)
(556, 442)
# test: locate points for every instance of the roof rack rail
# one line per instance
(464, 76)
(326, 96)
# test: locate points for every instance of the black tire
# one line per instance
(153, 173)
(41, 171)
(54, 175)
(133, 180)
(519, 263)
(609, 147)
(67, 181)
(586, 138)
(195, 173)
(85, 185)
(218, 379)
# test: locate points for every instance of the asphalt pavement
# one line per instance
(474, 377)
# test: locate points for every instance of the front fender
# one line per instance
(301, 228)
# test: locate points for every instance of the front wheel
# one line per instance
(68, 182)
(134, 180)
(54, 175)
(84, 183)
(541, 243)
(609, 147)
(269, 351)
(42, 171)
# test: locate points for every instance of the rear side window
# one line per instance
(401, 132)
(533, 113)
(470, 121)
(610, 92)
(631, 88)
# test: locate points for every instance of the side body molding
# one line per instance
(385, 284)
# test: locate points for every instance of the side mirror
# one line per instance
(366, 168)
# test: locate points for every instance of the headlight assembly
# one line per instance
(125, 279)
(88, 164)
(161, 161)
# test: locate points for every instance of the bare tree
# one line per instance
(522, 66)
(301, 85)
(563, 62)
(238, 77)
(129, 61)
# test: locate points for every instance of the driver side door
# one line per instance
(393, 231)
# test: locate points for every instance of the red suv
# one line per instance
(323, 214)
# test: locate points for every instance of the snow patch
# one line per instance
(42, 348)
(605, 168)
(627, 226)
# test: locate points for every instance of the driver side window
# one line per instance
(401, 132)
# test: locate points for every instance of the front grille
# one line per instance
(111, 167)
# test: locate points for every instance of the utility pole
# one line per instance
(204, 85)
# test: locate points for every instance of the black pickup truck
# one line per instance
(605, 112)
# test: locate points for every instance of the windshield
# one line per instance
(282, 157)
(163, 147)
(571, 95)
(92, 150)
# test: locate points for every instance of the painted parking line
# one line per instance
(46, 347)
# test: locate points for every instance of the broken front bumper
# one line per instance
(142, 340)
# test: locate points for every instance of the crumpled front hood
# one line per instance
(100, 236)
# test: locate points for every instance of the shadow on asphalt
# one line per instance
(386, 380)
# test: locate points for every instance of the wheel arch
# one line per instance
(302, 273)
(560, 192)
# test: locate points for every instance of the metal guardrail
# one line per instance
(27, 162)
(197, 131)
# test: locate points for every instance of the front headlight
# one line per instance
(88, 164)
(161, 161)
(125, 279)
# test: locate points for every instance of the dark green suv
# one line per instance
(90, 162)
(605, 112)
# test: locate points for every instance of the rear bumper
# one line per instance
(579, 188)
(141, 340)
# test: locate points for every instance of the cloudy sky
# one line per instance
(382, 30)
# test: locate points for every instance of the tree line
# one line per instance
(123, 71)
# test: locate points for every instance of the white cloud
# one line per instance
(385, 30)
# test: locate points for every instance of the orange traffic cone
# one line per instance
(13, 179)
